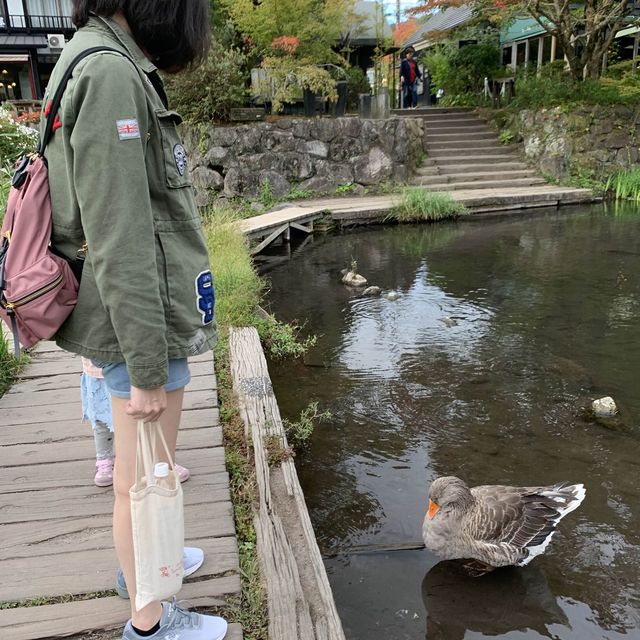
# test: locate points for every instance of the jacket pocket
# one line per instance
(175, 156)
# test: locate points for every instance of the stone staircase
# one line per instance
(464, 153)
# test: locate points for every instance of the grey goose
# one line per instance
(494, 525)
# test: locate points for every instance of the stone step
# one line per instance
(455, 119)
(453, 156)
(461, 147)
(450, 169)
(497, 167)
(482, 184)
(443, 128)
(478, 176)
(426, 111)
(437, 136)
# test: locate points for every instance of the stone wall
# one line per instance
(597, 141)
(311, 155)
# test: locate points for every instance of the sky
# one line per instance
(390, 8)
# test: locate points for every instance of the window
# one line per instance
(50, 14)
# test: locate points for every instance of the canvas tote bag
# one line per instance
(157, 518)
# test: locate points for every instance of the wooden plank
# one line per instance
(32, 392)
(292, 565)
(74, 473)
(60, 431)
(64, 365)
(86, 501)
(71, 381)
(204, 518)
(84, 448)
(60, 620)
(72, 411)
(79, 572)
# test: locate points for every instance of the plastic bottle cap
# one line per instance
(161, 470)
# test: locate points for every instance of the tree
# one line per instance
(585, 29)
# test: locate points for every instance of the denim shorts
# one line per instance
(116, 376)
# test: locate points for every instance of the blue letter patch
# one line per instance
(205, 296)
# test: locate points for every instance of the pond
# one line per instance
(505, 331)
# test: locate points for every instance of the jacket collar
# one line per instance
(113, 30)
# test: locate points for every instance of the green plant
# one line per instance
(299, 432)
(507, 136)
(284, 340)
(343, 189)
(5, 187)
(267, 197)
(299, 194)
(418, 204)
(625, 185)
(210, 91)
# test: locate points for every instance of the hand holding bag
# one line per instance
(157, 519)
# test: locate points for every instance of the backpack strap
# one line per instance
(57, 97)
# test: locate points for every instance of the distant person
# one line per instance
(410, 76)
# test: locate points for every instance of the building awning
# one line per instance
(22, 42)
(630, 31)
(18, 57)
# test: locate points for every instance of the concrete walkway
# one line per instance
(55, 525)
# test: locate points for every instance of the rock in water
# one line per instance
(449, 322)
(604, 407)
(372, 291)
(354, 279)
(393, 295)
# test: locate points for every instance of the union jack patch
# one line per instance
(128, 129)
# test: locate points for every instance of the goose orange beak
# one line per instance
(433, 509)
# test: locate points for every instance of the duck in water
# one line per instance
(494, 526)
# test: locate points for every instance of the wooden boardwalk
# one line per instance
(264, 229)
(55, 524)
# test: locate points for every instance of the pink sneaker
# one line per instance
(104, 472)
(183, 472)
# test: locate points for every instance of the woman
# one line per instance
(120, 186)
(410, 76)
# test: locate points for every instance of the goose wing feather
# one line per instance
(520, 517)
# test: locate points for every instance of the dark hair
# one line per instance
(175, 33)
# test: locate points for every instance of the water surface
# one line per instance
(505, 331)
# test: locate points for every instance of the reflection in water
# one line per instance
(505, 331)
(509, 599)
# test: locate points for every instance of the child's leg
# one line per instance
(104, 440)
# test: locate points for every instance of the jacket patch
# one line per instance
(205, 296)
(181, 158)
(128, 129)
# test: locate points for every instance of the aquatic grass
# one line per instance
(417, 204)
(625, 185)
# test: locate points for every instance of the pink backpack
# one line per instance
(38, 289)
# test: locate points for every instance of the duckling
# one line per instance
(493, 525)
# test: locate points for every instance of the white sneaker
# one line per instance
(192, 560)
(179, 624)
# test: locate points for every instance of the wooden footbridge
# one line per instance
(57, 555)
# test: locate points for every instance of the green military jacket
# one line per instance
(119, 182)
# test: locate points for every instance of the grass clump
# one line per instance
(625, 185)
(419, 205)
(239, 291)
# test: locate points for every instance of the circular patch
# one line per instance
(180, 156)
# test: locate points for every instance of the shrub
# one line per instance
(299, 432)
(620, 69)
(418, 204)
(357, 83)
(213, 89)
(15, 139)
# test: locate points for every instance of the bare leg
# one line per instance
(123, 479)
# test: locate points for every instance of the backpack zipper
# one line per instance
(36, 294)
